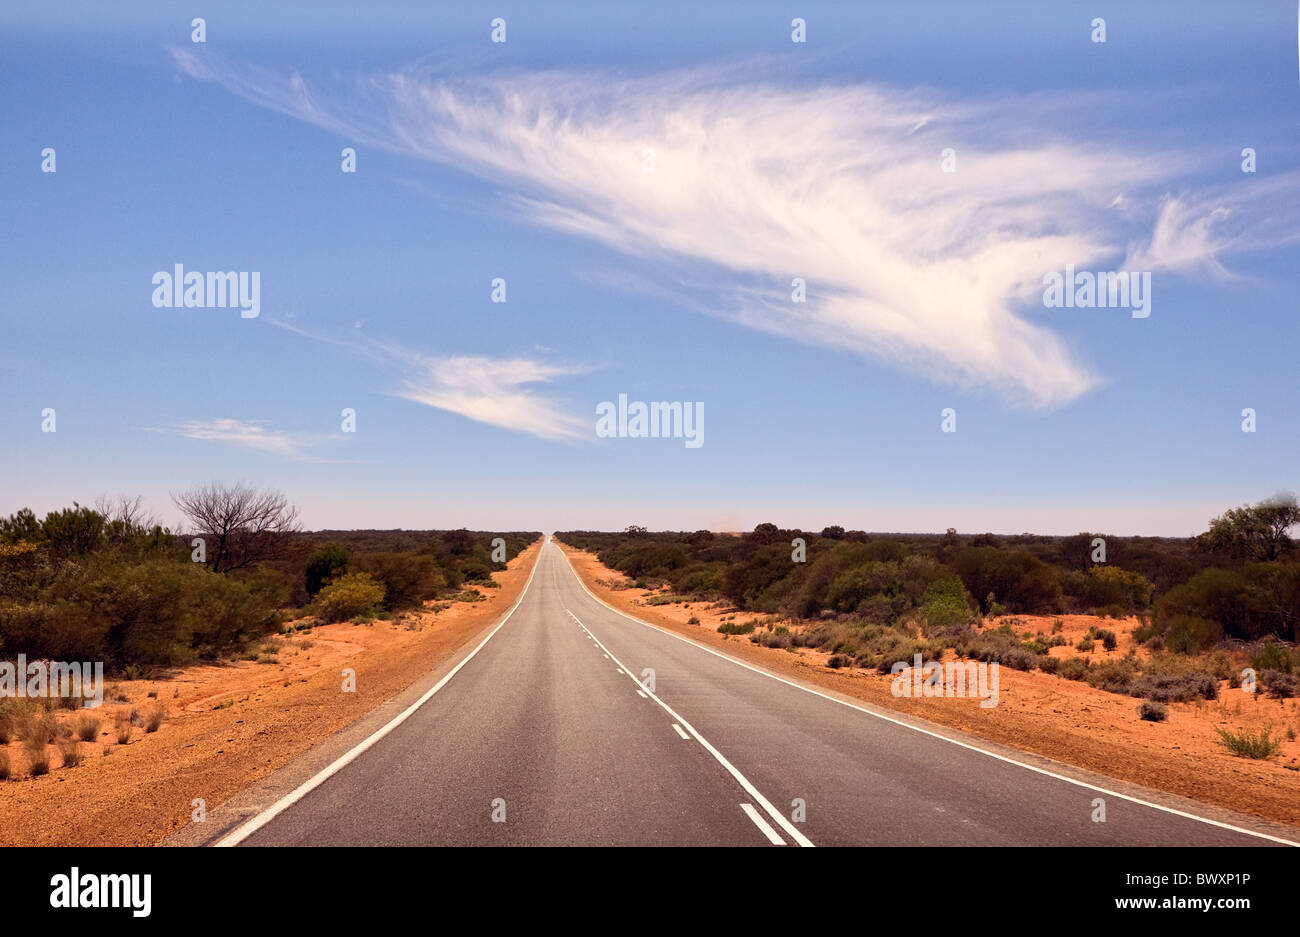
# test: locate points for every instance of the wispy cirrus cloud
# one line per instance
(493, 391)
(250, 434)
(255, 435)
(936, 273)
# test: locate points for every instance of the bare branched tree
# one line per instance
(241, 524)
(129, 513)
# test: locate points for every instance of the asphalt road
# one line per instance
(545, 737)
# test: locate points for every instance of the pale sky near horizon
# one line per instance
(648, 179)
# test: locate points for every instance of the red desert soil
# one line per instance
(1066, 720)
(229, 725)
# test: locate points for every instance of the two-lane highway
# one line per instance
(575, 725)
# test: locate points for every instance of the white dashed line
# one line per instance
(743, 781)
(679, 731)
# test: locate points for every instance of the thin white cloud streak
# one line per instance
(250, 434)
(253, 434)
(937, 273)
(493, 391)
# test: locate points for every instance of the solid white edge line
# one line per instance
(763, 825)
(721, 759)
(255, 823)
(899, 722)
(678, 729)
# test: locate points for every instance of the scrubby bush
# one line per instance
(351, 596)
(408, 578)
(1074, 668)
(1152, 711)
(1113, 676)
(38, 756)
(1019, 581)
(1247, 744)
(1018, 658)
(1175, 688)
(70, 752)
(1272, 656)
(735, 627)
(1280, 685)
(87, 728)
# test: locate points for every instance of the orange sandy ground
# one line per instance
(229, 725)
(1062, 719)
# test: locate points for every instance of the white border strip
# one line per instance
(899, 722)
(252, 825)
(762, 824)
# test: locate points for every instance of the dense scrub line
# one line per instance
(1240, 580)
(110, 585)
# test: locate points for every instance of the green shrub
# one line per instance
(1248, 744)
(735, 627)
(1074, 668)
(1271, 656)
(408, 578)
(350, 596)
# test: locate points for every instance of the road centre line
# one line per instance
(744, 782)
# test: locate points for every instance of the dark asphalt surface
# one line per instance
(542, 727)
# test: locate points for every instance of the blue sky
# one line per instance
(773, 160)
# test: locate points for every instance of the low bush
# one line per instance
(735, 627)
(38, 757)
(87, 728)
(1113, 676)
(70, 752)
(351, 596)
(1248, 744)
(1280, 685)
(1018, 658)
(1074, 668)
(1152, 711)
(1175, 688)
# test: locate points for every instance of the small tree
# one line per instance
(1254, 531)
(242, 525)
